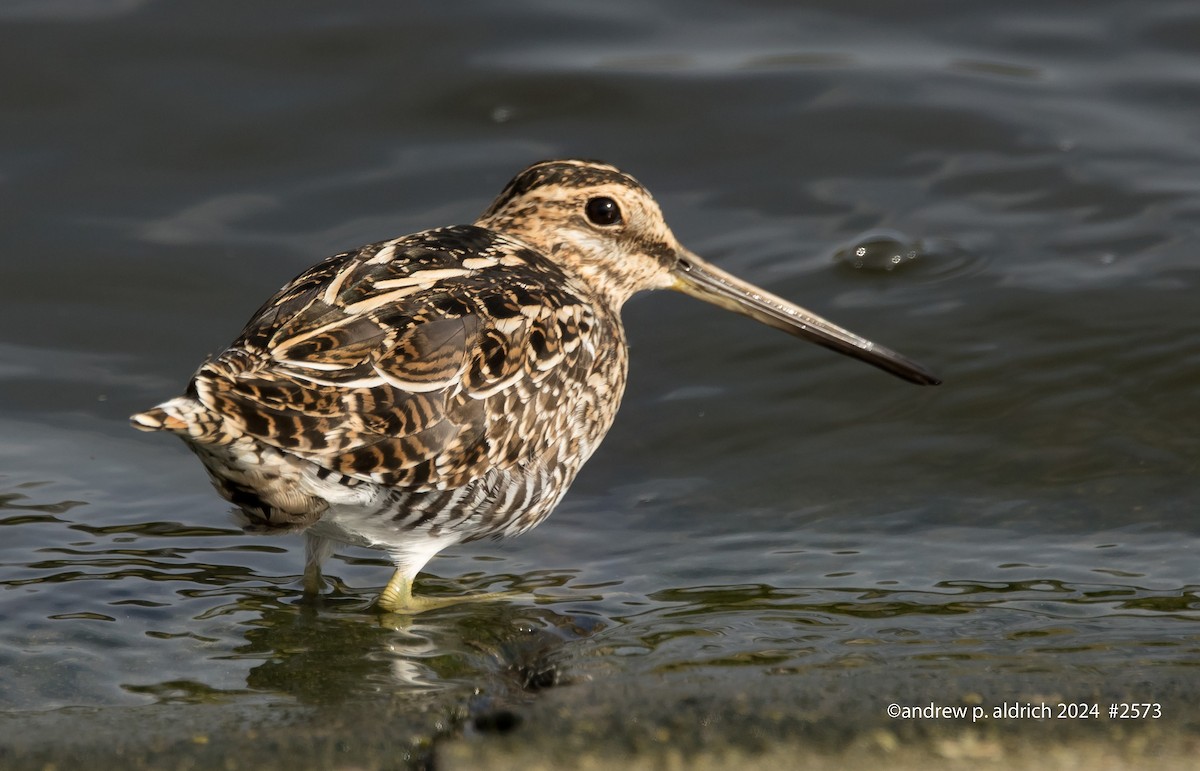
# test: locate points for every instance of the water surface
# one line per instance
(1006, 194)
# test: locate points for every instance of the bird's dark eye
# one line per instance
(602, 211)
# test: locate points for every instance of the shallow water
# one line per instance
(1008, 194)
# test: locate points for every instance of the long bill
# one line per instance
(707, 282)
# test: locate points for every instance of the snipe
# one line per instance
(446, 386)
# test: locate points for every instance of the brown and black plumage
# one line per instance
(448, 385)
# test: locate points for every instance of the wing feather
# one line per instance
(400, 365)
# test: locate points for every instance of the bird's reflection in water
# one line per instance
(338, 648)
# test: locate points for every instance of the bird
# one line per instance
(447, 386)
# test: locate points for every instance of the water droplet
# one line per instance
(880, 250)
(886, 251)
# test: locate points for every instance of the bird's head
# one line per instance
(601, 226)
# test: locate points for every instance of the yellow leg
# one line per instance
(397, 597)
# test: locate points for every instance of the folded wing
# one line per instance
(419, 363)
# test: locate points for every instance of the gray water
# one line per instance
(771, 535)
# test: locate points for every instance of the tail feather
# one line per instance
(190, 419)
(157, 419)
(181, 415)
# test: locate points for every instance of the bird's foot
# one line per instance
(397, 597)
